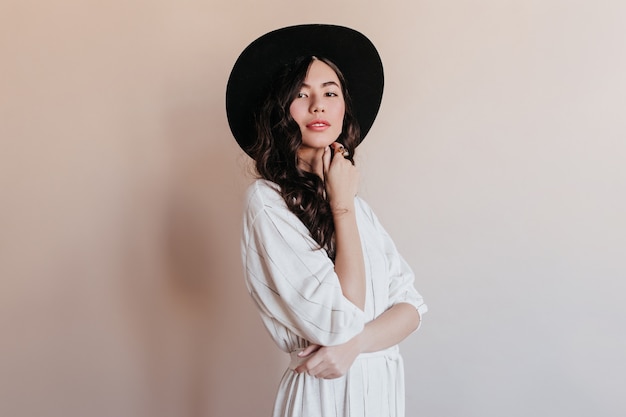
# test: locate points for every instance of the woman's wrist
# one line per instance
(341, 208)
(359, 341)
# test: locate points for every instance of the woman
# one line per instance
(327, 279)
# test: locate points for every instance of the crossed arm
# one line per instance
(387, 330)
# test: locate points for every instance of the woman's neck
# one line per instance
(310, 160)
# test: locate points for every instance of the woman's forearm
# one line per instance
(349, 263)
(390, 328)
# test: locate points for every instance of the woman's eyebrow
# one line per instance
(326, 84)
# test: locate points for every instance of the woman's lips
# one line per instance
(318, 125)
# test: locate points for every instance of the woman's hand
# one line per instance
(329, 362)
(341, 178)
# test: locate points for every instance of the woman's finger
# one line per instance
(309, 365)
(326, 159)
(308, 350)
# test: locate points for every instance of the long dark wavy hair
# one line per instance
(278, 140)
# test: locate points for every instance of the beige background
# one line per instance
(496, 164)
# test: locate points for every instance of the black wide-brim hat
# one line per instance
(258, 65)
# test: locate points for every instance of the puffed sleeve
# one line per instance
(401, 276)
(290, 279)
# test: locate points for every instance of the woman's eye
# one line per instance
(331, 94)
(301, 95)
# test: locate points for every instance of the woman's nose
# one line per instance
(317, 106)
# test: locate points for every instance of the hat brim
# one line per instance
(352, 52)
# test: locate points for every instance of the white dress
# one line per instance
(297, 292)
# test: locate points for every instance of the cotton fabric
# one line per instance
(298, 295)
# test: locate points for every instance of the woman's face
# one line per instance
(319, 107)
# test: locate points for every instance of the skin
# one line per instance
(320, 100)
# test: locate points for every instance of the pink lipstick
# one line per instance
(318, 125)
